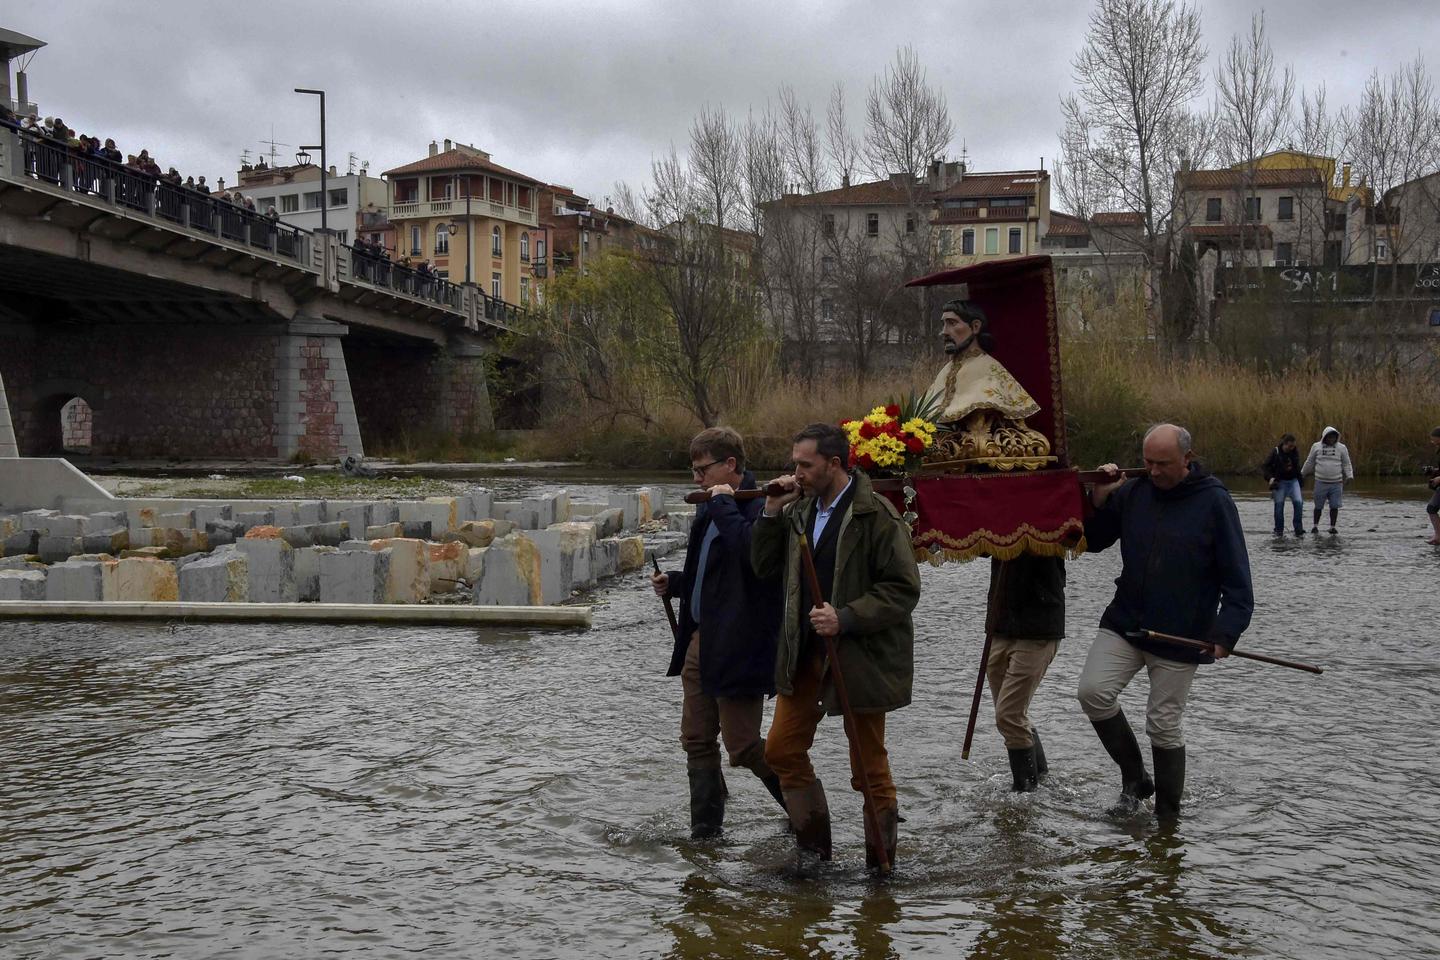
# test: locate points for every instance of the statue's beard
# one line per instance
(953, 348)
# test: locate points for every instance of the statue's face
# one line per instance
(955, 332)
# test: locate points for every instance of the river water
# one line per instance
(298, 791)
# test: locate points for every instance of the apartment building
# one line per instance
(991, 216)
(297, 196)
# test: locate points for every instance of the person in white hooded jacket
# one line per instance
(1329, 460)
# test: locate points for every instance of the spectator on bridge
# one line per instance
(8, 118)
(111, 152)
(201, 186)
(271, 213)
(189, 183)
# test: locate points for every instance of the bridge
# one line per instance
(191, 326)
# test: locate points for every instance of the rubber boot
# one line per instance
(772, 783)
(810, 817)
(890, 835)
(1041, 767)
(1022, 769)
(1169, 782)
(707, 802)
(1119, 741)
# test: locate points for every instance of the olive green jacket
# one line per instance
(877, 585)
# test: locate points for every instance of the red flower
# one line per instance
(892, 428)
(914, 445)
(852, 457)
(867, 462)
(893, 410)
(868, 430)
(845, 423)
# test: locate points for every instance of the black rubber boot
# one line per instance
(772, 783)
(707, 802)
(1169, 782)
(1119, 741)
(810, 816)
(1041, 767)
(1022, 769)
(890, 835)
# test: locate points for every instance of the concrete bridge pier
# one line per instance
(314, 408)
(8, 447)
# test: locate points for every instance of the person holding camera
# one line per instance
(1282, 473)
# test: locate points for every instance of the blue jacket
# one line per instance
(1186, 571)
(740, 612)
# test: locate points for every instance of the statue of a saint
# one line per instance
(982, 407)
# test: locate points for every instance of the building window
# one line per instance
(827, 309)
(312, 200)
(1212, 210)
(495, 243)
(442, 239)
(540, 249)
(584, 241)
(1287, 208)
(1252, 208)
(827, 225)
(524, 198)
(872, 224)
(1382, 250)
(524, 290)
(415, 241)
(1283, 256)
(967, 243)
(827, 267)
(992, 239)
(289, 203)
(344, 236)
(909, 223)
(1014, 239)
(338, 198)
(525, 247)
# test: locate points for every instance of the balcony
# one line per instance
(423, 209)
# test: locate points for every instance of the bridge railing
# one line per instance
(56, 163)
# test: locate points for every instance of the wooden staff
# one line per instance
(1100, 476)
(769, 490)
(984, 662)
(882, 856)
(1209, 648)
(669, 605)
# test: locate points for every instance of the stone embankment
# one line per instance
(465, 549)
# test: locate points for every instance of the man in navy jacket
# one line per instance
(724, 652)
(1185, 573)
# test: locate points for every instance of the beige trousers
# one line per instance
(1109, 667)
(1015, 669)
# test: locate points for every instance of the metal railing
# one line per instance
(368, 268)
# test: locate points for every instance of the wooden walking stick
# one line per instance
(669, 604)
(1206, 647)
(984, 662)
(882, 856)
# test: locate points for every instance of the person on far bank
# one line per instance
(869, 586)
(1282, 473)
(1185, 572)
(724, 653)
(1025, 617)
(1329, 460)
(1432, 509)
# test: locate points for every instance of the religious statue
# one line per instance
(982, 408)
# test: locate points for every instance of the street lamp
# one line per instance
(324, 191)
(469, 232)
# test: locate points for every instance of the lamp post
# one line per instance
(469, 232)
(324, 186)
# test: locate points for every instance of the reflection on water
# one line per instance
(193, 790)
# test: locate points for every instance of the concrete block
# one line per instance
(287, 514)
(75, 580)
(220, 532)
(180, 520)
(255, 518)
(297, 537)
(358, 516)
(103, 522)
(582, 509)
(21, 562)
(416, 529)
(271, 569)
(681, 522)
(409, 580)
(510, 574)
(447, 566)
(66, 525)
(385, 511)
(547, 508)
(330, 534)
(522, 516)
(383, 531)
(218, 578)
(474, 533)
(632, 554)
(208, 513)
(308, 512)
(22, 584)
(482, 503)
(355, 545)
(37, 520)
(656, 496)
(54, 549)
(354, 576)
(307, 571)
(22, 543)
(635, 504)
(141, 578)
(106, 541)
(605, 558)
(609, 522)
(564, 558)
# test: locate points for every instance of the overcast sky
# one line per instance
(585, 93)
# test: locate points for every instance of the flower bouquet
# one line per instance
(892, 439)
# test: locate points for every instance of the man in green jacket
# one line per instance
(869, 585)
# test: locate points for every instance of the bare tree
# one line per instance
(801, 143)
(844, 148)
(717, 157)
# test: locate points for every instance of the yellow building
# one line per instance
(991, 216)
(1341, 188)
(471, 218)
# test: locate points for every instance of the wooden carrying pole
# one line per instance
(882, 856)
(1207, 647)
(669, 605)
(984, 662)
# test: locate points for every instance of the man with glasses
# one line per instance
(724, 651)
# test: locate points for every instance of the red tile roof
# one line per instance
(1016, 183)
(878, 193)
(1262, 179)
(458, 160)
(1118, 218)
(1064, 225)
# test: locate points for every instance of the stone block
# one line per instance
(307, 571)
(106, 541)
(218, 578)
(22, 543)
(522, 516)
(154, 553)
(474, 564)
(174, 542)
(141, 578)
(656, 496)
(474, 533)
(383, 531)
(503, 528)
(564, 558)
(482, 503)
(605, 558)
(416, 529)
(632, 554)
(447, 566)
(179, 520)
(297, 537)
(385, 511)
(510, 574)
(355, 545)
(208, 513)
(53, 549)
(220, 532)
(354, 576)
(664, 544)
(308, 512)
(137, 518)
(330, 534)
(680, 522)
(21, 562)
(584, 509)
(103, 522)
(22, 584)
(271, 569)
(409, 580)
(8, 525)
(76, 580)
(37, 520)
(287, 514)
(547, 508)
(255, 518)
(358, 516)
(609, 522)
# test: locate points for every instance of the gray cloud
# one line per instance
(586, 94)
